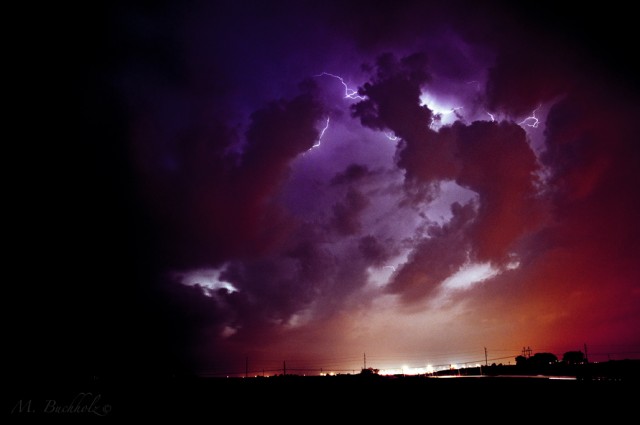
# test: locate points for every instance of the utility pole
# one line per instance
(284, 367)
(586, 357)
(485, 357)
(246, 366)
(365, 359)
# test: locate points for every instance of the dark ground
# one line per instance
(353, 397)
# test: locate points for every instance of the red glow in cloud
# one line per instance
(500, 166)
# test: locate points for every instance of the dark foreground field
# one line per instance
(297, 399)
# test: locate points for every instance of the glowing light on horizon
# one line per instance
(407, 370)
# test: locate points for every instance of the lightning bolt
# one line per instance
(531, 121)
(491, 116)
(391, 136)
(390, 267)
(317, 144)
(348, 93)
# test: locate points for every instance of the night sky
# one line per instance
(199, 186)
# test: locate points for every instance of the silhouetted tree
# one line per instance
(540, 359)
(369, 371)
(573, 357)
(521, 360)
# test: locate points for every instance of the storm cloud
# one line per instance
(308, 180)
